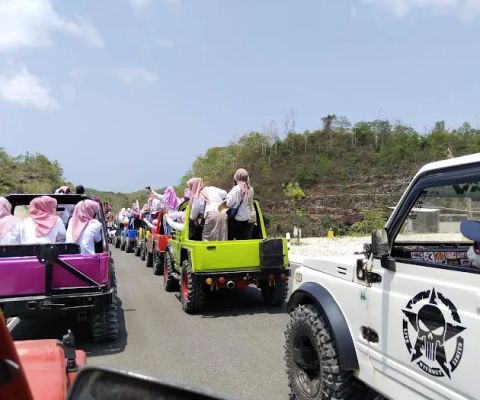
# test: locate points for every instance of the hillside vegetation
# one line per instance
(341, 176)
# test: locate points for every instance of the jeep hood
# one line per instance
(340, 266)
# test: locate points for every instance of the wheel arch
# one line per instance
(314, 293)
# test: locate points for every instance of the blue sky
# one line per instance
(125, 93)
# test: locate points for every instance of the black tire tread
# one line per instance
(170, 284)
(196, 292)
(336, 384)
(104, 323)
(158, 263)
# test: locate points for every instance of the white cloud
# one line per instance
(30, 23)
(466, 9)
(25, 89)
(353, 12)
(135, 75)
(139, 4)
(168, 44)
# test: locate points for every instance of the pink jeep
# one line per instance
(55, 279)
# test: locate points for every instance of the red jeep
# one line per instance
(157, 245)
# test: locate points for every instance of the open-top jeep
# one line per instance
(156, 245)
(55, 279)
(405, 319)
(196, 266)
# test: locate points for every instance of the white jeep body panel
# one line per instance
(426, 314)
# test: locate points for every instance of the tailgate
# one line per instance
(23, 276)
(239, 255)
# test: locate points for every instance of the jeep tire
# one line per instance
(276, 294)
(313, 368)
(148, 259)
(104, 322)
(192, 291)
(129, 247)
(138, 249)
(143, 251)
(122, 245)
(170, 284)
(117, 242)
(157, 263)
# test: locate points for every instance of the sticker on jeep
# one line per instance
(438, 346)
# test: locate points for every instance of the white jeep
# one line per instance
(405, 318)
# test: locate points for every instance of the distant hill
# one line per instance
(343, 170)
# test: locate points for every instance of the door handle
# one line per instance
(211, 247)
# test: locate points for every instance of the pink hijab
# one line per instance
(7, 220)
(42, 210)
(243, 181)
(197, 189)
(170, 198)
(84, 212)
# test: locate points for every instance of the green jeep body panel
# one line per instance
(221, 256)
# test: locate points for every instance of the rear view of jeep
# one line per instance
(56, 279)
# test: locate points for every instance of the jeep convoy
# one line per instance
(405, 319)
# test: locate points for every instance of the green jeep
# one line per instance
(195, 266)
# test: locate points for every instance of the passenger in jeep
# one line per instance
(205, 201)
(471, 230)
(9, 225)
(43, 226)
(84, 229)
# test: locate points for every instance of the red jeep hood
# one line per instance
(44, 364)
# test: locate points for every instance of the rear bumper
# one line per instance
(255, 275)
(55, 304)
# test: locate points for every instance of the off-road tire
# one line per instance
(138, 248)
(148, 259)
(117, 242)
(192, 291)
(275, 295)
(122, 245)
(104, 322)
(170, 284)
(158, 263)
(128, 247)
(143, 251)
(318, 378)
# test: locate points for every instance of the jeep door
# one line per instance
(426, 308)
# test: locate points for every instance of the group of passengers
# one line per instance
(214, 214)
(76, 223)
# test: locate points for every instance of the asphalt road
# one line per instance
(234, 348)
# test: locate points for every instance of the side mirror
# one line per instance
(93, 383)
(380, 246)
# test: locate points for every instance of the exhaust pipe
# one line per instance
(230, 284)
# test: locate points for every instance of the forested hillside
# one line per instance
(343, 170)
(340, 176)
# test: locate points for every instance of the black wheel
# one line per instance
(143, 251)
(157, 263)
(313, 368)
(149, 259)
(276, 294)
(117, 242)
(170, 284)
(122, 244)
(192, 292)
(129, 247)
(104, 322)
(138, 247)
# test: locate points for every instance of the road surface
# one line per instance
(234, 348)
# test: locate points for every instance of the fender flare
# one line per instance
(312, 292)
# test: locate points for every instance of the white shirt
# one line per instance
(215, 198)
(91, 234)
(67, 212)
(234, 197)
(12, 236)
(28, 236)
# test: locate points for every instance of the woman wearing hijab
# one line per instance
(240, 198)
(84, 229)
(67, 212)
(43, 226)
(9, 225)
(204, 200)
